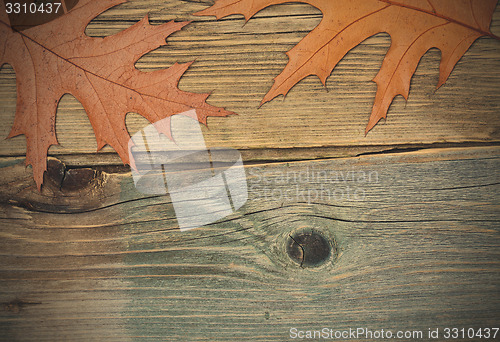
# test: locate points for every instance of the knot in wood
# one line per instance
(308, 247)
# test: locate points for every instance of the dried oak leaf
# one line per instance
(415, 26)
(57, 58)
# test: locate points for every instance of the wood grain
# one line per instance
(417, 247)
(410, 212)
(237, 63)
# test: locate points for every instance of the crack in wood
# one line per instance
(17, 305)
(302, 249)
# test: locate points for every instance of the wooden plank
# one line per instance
(238, 62)
(416, 238)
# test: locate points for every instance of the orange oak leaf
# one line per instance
(57, 58)
(415, 26)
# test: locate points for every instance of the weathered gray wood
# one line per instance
(90, 258)
(417, 244)
(237, 63)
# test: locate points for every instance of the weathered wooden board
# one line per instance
(237, 63)
(413, 236)
(416, 238)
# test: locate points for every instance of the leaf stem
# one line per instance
(483, 33)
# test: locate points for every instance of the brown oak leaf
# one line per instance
(57, 58)
(415, 26)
